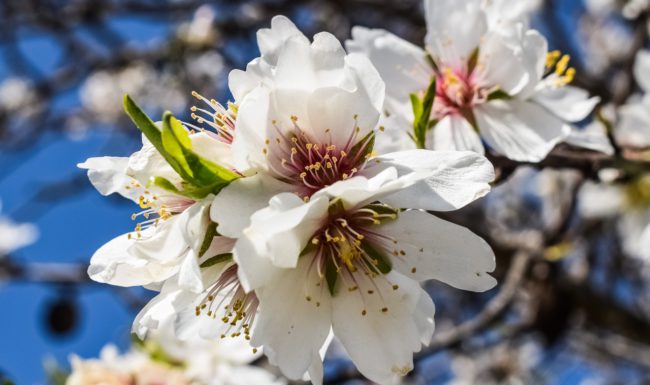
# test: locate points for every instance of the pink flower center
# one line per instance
(457, 92)
(302, 161)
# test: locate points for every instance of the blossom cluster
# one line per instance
(303, 210)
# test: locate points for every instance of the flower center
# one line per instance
(228, 300)
(301, 160)
(457, 91)
(346, 243)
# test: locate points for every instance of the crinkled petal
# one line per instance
(444, 180)
(108, 176)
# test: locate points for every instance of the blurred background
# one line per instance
(571, 308)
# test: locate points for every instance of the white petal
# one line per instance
(291, 328)
(570, 103)
(252, 124)
(335, 114)
(234, 205)
(212, 149)
(521, 131)
(108, 175)
(454, 29)
(381, 341)
(454, 133)
(440, 250)
(282, 230)
(446, 180)
(499, 65)
(194, 223)
(592, 137)
(270, 40)
(402, 65)
(113, 264)
(189, 274)
(165, 243)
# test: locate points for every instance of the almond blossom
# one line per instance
(321, 235)
(496, 83)
(633, 127)
(14, 235)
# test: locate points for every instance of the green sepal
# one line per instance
(176, 141)
(216, 259)
(153, 133)
(473, 61)
(382, 263)
(363, 148)
(499, 95)
(331, 276)
(422, 114)
(210, 233)
(165, 184)
(203, 171)
(143, 122)
(383, 209)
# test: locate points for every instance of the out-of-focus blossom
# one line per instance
(102, 91)
(633, 128)
(496, 82)
(200, 30)
(530, 205)
(14, 236)
(629, 203)
(499, 365)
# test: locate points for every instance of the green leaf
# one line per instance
(216, 259)
(416, 104)
(203, 172)
(331, 275)
(207, 240)
(143, 122)
(382, 263)
(164, 184)
(175, 143)
(421, 121)
(153, 133)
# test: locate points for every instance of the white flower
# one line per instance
(313, 242)
(13, 236)
(495, 82)
(165, 244)
(633, 127)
